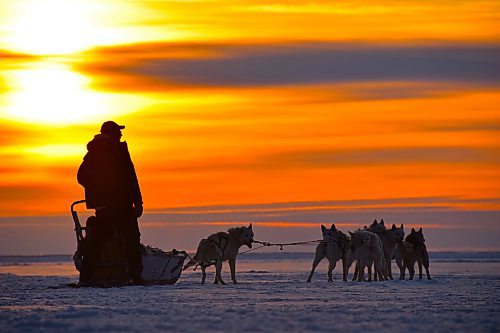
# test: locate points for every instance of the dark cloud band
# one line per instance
(320, 63)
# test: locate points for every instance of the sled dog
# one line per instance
(366, 249)
(413, 250)
(220, 247)
(390, 239)
(377, 227)
(334, 247)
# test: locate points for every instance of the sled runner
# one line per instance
(111, 268)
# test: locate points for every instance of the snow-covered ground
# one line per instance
(271, 296)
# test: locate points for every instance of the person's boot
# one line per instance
(137, 281)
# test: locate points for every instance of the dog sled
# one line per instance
(111, 268)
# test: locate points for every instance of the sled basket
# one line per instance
(161, 267)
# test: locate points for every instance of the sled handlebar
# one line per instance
(78, 226)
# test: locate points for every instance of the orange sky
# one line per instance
(255, 102)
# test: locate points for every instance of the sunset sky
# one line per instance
(287, 114)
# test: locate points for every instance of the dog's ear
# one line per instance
(374, 222)
(382, 222)
(393, 226)
(401, 226)
(412, 230)
(333, 227)
(420, 230)
(250, 226)
(323, 228)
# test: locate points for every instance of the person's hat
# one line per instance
(111, 127)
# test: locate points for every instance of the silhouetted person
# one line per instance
(112, 189)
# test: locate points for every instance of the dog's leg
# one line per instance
(317, 259)
(419, 262)
(381, 276)
(388, 267)
(426, 264)
(345, 269)
(376, 271)
(232, 267)
(385, 272)
(204, 274)
(399, 262)
(356, 271)
(218, 270)
(411, 269)
(369, 273)
(360, 275)
(331, 267)
(350, 259)
(361, 270)
(216, 280)
(381, 270)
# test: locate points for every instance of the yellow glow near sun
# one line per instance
(64, 27)
(58, 150)
(52, 26)
(51, 93)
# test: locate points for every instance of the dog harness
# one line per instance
(222, 241)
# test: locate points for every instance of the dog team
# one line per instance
(374, 247)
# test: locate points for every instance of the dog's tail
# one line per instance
(191, 263)
(196, 258)
(425, 256)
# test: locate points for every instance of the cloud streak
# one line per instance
(313, 63)
(335, 158)
(381, 156)
(438, 210)
(351, 204)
